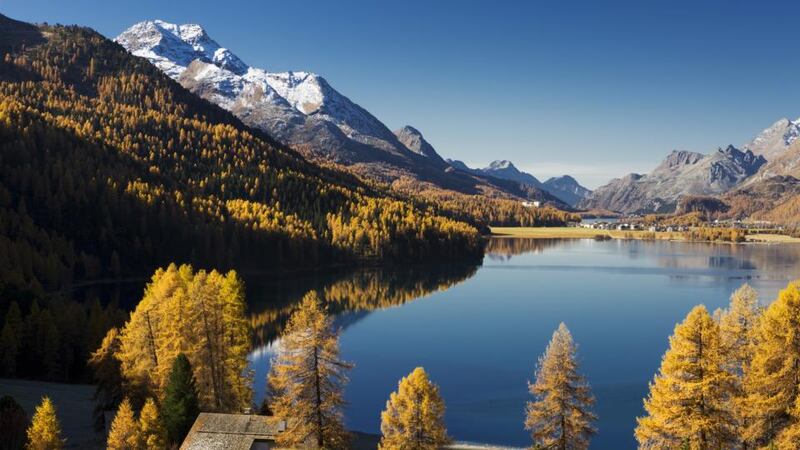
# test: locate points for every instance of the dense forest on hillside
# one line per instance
(110, 168)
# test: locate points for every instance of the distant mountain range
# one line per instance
(681, 173)
(762, 171)
(304, 111)
(565, 188)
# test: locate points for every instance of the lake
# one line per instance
(479, 329)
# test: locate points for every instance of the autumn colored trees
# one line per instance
(560, 417)
(730, 381)
(110, 168)
(414, 415)
(45, 430)
(128, 433)
(198, 314)
(307, 379)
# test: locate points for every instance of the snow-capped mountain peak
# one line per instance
(773, 141)
(255, 94)
(173, 47)
(500, 165)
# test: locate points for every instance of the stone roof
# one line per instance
(214, 431)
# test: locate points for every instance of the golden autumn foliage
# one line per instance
(738, 326)
(124, 433)
(200, 314)
(45, 430)
(152, 434)
(560, 416)
(148, 171)
(414, 415)
(307, 379)
(688, 403)
(772, 383)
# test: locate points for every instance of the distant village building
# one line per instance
(214, 431)
(533, 204)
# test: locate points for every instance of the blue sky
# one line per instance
(595, 89)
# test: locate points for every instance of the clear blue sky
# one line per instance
(595, 89)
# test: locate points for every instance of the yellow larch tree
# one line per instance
(152, 434)
(45, 430)
(124, 433)
(738, 326)
(560, 416)
(200, 314)
(307, 379)
(414, 415)
(688, 405)
(772, 383)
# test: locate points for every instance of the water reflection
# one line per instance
(271, 301)
(482, 329)
(502, 248)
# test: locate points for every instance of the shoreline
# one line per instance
(588, 233)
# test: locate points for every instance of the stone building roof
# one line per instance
(214, 431)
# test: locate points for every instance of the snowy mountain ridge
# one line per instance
(225, 79)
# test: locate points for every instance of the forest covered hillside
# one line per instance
(111, 168)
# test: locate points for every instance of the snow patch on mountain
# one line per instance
(225, 79)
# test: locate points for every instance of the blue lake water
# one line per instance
(478, 330)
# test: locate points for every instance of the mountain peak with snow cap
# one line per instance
(173, 47)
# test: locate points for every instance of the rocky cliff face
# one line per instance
(680, 173)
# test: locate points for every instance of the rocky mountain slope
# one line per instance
(773, 141)
(566, 188)
(681, 173)
(302, 110)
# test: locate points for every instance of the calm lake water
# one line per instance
(478, 330)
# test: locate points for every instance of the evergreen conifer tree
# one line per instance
(13, 423)
(10, 341)
(181, 406)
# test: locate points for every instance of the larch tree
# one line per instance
(201, 315)
(738, 326)
(688, 404)
(124, 433)
(414, 415)
(307, 379)
(152, 434)
(180, 407)
(772, 384)
(45, 430)
(560, 416)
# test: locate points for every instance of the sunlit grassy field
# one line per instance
(587, 233)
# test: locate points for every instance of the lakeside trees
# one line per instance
(199, 314)
(414, 415)
(560, 417)
(689, 403)
(307, 379)
(729, 382)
